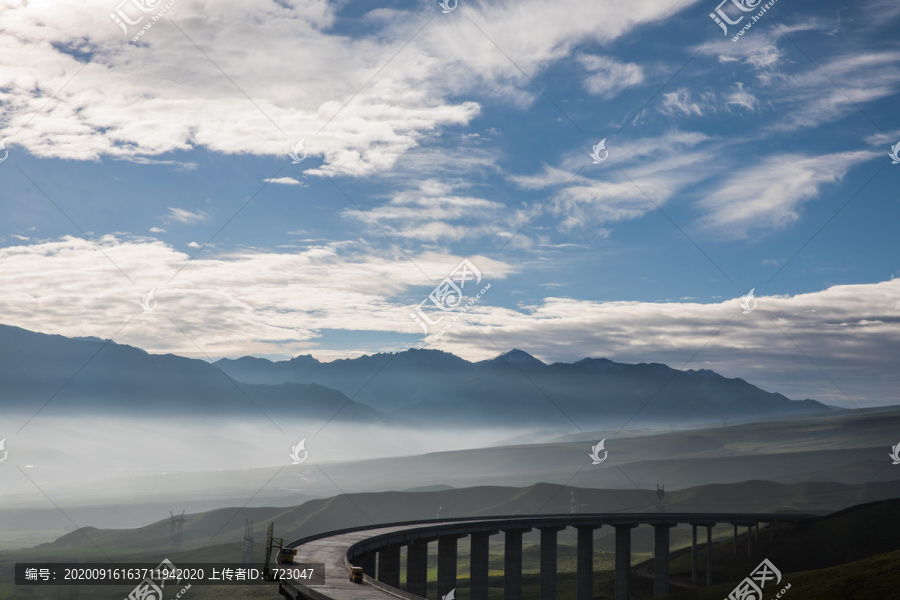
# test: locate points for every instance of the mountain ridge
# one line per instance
(414, 387)
(71, 375)
(427, 385)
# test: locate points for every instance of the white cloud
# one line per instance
(285, 181)
(760, 51)
(883, 138)
(143, 160)
(155, 100)
(742, 97)
(157, 230)
(232, 304)
(193, 245)
(657, 167)
(680, 102)
(766, 195)
(607, 76)
(765, 56)
(436, 211)
(180, 215)
(811, 94)
(852, 81)
(162, 94)
(771, 193)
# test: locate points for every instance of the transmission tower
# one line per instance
(442, 512)
(247, 543)
(574, 505)
(175, 525)
(660, 498)
(270, 543)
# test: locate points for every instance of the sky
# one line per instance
(168, 159)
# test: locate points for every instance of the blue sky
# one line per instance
(431, 138)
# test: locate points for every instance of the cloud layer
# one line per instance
(224, 75)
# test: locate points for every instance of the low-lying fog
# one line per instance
(69, 458)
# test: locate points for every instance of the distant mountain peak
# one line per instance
(431, 351)
(304, 359)
(519, 358)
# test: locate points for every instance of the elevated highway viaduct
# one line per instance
(376, 549)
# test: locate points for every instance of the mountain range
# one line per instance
(414, 387)
(83, 376)
(435, 387)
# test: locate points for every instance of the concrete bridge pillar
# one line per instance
(446, 574)
(749, 531)
(735, 540)
(623, 561)
(548, 562)
(693, 553)
(389, 565)
(512, 563)
(367, 562)
(707, 554)
(661, 559)
(771, 525)
(478, 569)
(584, 578)
(417, 567)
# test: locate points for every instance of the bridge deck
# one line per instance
(331, 549)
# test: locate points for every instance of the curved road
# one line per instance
(331, 549)
(335, 549)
